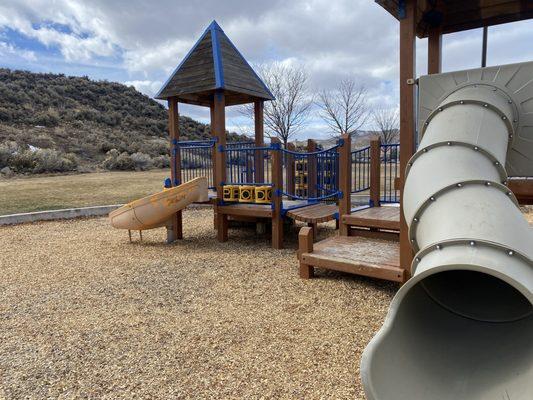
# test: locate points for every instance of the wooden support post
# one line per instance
(434, 51)
(314, 228)
(375, 172)
(312, 170)
(176, 227)
(277, 188)
(305, 245)
(345, 182)
(259, 164)
(522, 189)
(213, 159)
(219, 127)
(407, 117)
(290, 169)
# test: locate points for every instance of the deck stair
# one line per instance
(375, 222)
(359, 255)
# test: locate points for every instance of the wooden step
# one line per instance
(353, 254)
(384, 217)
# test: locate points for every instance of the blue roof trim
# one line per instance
(182, 61)
(244, 59)
(217, 55)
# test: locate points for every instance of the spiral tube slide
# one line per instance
(462, 326)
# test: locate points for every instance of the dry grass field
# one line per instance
(81, 190)
(86, 314)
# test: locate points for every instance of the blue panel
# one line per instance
(217, 56)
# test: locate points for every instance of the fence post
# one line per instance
(375, 172)
(218, 125)
(312, 163)
(277, 188)
(345, 181)
(290, 169)
(259, 164)
(175, 231)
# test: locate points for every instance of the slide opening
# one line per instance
(432, 352)
(477, 295)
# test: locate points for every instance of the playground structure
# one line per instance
(253, 181)
(467, 298)
(461, 327)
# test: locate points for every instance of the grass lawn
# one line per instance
(65, 191)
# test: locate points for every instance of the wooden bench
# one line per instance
(314, 214)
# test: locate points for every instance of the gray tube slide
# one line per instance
(462, 326)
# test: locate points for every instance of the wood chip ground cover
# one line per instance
(86, 314)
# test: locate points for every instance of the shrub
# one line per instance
(23, 161)
(118, 161)
(7, 151)
(141, 161)
(161, 161)
(48, 160)
(48, 118)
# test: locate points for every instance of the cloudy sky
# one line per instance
(140, 42)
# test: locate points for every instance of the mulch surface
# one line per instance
(86, 314)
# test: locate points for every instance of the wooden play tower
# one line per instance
(213, 74)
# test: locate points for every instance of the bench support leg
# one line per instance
(305, 245)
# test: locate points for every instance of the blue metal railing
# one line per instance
(315, 174)
(360, 164)
(390, 167)
(196, 158)
(247, 164)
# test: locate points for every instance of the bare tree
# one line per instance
(289, 112)
(344, 109)
(386, 123)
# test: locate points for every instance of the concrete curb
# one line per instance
(67, 213)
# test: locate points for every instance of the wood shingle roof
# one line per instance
(214, 63)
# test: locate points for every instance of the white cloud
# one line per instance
(332, 39)
(148, 87)
(9, 49)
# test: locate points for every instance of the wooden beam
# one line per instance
(522, 189)
(290, 169)
(345, 181)
(219, 130)
(434, 51)
(375, 172)
(277, 187)
(175, 230)
(259, 164)
(312, 164)
(407, 116)
(213, 159)
(305, 245)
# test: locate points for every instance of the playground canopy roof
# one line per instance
(459, 15)
(214, 63)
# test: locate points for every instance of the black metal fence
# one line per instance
(360, 170)
(390, 170)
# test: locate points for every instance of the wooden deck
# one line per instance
(353, 254)
(384, 217)
(314, 213)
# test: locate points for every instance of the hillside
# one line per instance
(56, 123)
